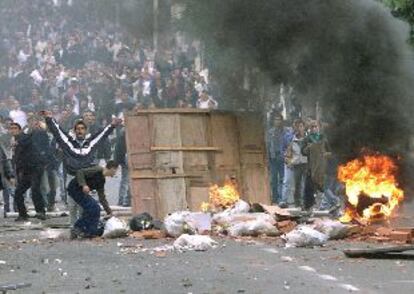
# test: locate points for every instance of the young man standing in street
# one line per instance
(86, 180)
(29, 170)
(79, 149)
(276, 156)
(296, 167)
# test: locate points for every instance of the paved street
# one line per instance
(236, 266)
(259, 266)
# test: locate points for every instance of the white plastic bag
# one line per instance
(333, 229)
(305, 236)
(176, 223)
(229, 220)
(199, 222)
(239, 207)
(253, 228)
(247, 224)
(54, 234)
(194, 242)
(182, 222)
(115, 228)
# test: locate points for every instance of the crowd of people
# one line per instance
(65, 74)
(302, 165)
(61, 65)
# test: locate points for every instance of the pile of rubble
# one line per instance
(297, 229)
(242, 219)
(194, 230)
(376, 233)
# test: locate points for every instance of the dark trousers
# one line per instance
(88, 223)
(65, 184)
(309, 194)
(277, 171)
(8, 193)
(299, 173)
(52, 181)
(29, 178)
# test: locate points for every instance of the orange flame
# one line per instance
(372, 177)
(222, 197)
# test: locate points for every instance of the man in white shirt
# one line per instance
(206, 102)
(16, 114)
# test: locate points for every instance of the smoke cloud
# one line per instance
(351, 55)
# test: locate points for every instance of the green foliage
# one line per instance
(403, 9)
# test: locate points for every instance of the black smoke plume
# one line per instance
(351, 55)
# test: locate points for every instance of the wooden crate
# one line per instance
(174, 155)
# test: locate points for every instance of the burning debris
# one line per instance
(372, 192)
(222, 197)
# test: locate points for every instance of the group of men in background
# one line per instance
(302, 166)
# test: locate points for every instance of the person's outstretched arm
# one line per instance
(102, 135)
(62, 137)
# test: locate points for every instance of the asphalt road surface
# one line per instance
(236, 266)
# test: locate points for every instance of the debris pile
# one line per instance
(382, 234)
(193, 230)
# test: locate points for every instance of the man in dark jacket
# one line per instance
(88, 179)
(104, 149)
(79, 149)
(29, 161)
(6, 179)
(276, 156)
(42, 142)
(120, 156)
(52, 171)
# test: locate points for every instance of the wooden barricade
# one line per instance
(174, 155)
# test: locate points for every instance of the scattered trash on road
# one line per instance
(332, 228)
(286, 258)
(176, 224)
(253, 228)
(115, 228)
(140, 222)
(54, 234)
(194, 242)
(305, 236)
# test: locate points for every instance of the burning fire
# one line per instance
(222, 197)
(371, 188)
